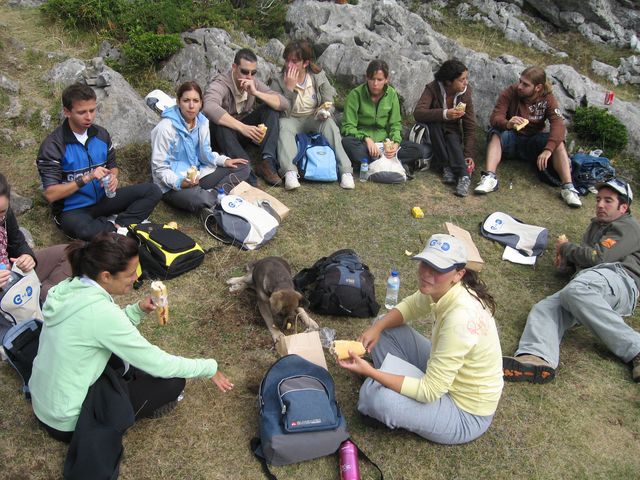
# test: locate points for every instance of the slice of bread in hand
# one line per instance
(340, 348)
(520, 126)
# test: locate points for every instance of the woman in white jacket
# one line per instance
(182, 140)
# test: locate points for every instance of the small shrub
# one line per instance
(146, 48)
(598, 127)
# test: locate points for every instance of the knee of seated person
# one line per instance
(574, 290)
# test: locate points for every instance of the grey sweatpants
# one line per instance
(287, 148)
(597, 298)
(403, 351)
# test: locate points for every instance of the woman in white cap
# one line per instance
(447, 389)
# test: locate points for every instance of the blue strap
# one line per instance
(302, 141)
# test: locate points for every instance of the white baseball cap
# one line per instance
(618, 185)
(443, 253)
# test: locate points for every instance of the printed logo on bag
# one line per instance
(312, 421)
(497, 225)
(20, 298)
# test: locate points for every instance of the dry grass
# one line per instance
(583, 425)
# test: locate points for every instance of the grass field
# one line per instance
(582, 425)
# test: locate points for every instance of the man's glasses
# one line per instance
(246, 71)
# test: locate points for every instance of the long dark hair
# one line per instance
(106, 252)
(5, 189)
(474, 285)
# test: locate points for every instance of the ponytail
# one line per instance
(108, 252)
(474, 285)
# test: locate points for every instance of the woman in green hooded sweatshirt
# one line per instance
(83, 327)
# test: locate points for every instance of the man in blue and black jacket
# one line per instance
(72, 162)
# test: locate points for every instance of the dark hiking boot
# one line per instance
(527, 368)
(265, 170)
(462, 189)
(448, 177)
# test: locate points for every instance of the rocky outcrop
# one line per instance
(209, 51)
(120, 109)
(602, 21)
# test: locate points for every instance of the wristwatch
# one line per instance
(80, 181)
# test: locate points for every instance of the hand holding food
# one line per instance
(160, 300)
(192, 174)
(341, 348)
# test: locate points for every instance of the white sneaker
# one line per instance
(488, 183)
(291, 180)
(346, 181)
(571, 198)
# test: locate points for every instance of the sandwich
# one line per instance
(461, 106)
(192, 174)
(520, 126)
(159, 298)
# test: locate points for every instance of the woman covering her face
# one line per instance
(181, 141)
(445, 389)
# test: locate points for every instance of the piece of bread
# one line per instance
(192, 173)
(388, 145)
(461, 106)
(563, 238)
(160, 300)
(520, 126)
(340, 348)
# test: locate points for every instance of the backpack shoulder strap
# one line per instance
(256, 448)
(302, 141)
(364, 455)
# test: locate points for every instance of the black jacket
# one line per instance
(16, 243)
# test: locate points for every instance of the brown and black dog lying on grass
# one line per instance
(278, 301)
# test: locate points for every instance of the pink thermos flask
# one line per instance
(349, 469)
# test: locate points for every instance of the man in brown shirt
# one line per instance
(230, 105)
(517, 125)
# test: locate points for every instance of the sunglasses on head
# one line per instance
(246, 71)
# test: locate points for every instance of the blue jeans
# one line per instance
(517, 146)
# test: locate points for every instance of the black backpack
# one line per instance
(20, 344)
(339, 284)
(165, 252)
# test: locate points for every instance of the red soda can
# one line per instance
(608, 97)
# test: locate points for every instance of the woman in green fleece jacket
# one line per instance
(371, 115)
(83, 327)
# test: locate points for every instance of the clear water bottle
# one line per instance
(105, 184)
(13, 277)
(221, 194)
(349, 469)
(393, 287)
(364, 170)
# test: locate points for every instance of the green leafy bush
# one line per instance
(146, 48)
(598, 127)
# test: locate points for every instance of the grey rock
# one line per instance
(20, 204)
(45, 119)
(14, 110)
(108, 51)
(26, 143)
(7, 84)
(207, 52)
(120, 109)
(26, 3)
(6, 134)
(272, 51)
(28, 237)
(605, 70)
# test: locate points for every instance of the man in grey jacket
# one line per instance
(604, 290)
(235, 119)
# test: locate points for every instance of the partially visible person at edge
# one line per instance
(182, 141)
(50, 263)
(307, 88)
(230, 104)
(447, 389)
(604, 290)
(517, 124)
(73, 160)
(372, 115)
(452, 130)
(84, 327)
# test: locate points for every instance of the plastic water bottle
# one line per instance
(364, 170)
(13, 278)
(221, 194)
(393, 287)
(349, 469)
(105, 184)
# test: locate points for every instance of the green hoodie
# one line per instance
(83, 326)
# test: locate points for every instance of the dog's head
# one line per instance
(284, 304)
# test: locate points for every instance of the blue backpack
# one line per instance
(299, 416)
(589, 170)
(316, 160)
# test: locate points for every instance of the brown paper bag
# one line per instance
(474, 261)
(254, 195)
(306, 344)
